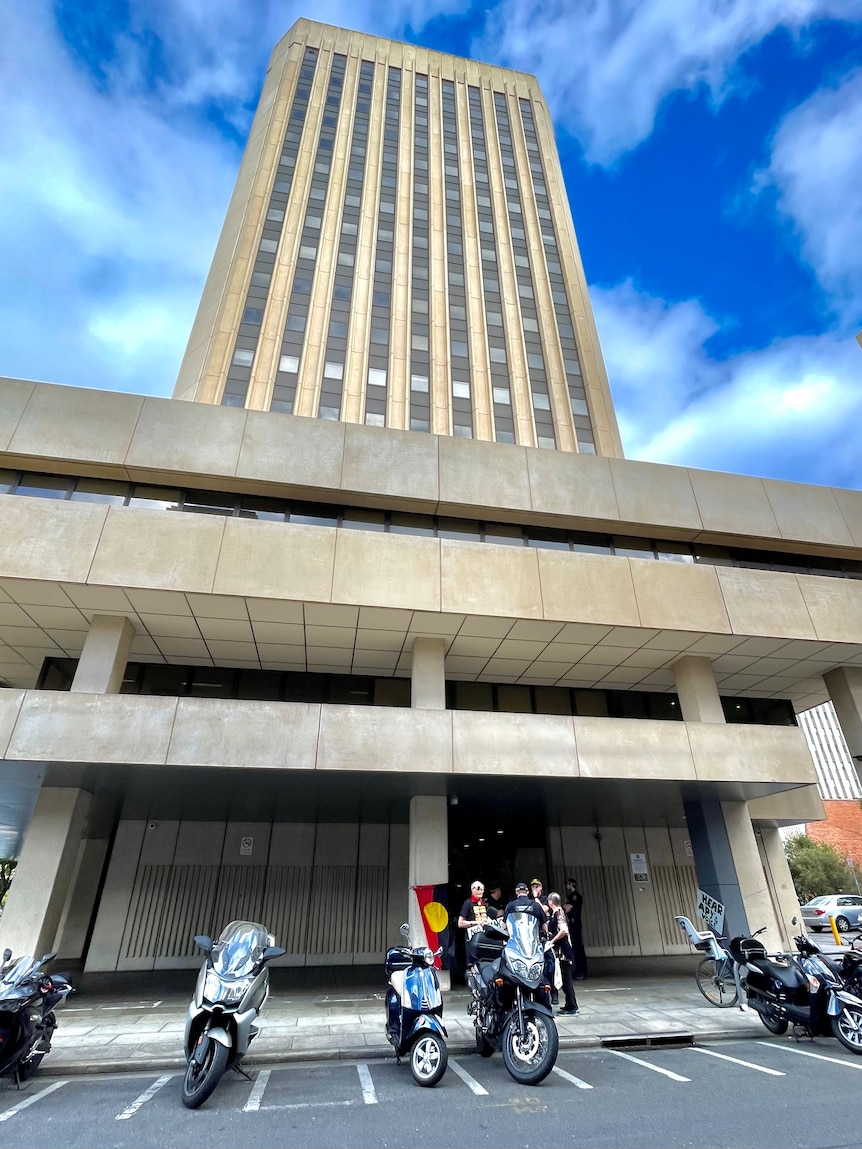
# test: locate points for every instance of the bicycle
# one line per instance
(715, 975)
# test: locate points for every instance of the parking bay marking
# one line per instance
(807, 1053)
(738, 1061)
(31, 1100)
(648, 1065)
(471, 1082)
(146, 1096)
(571, 1078)
(256, 1095)
(369, 1093)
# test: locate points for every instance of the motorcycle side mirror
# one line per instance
(273, 952)
(7, 954)
(405, 930)
(204, 942)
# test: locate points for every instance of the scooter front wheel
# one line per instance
(847, 1027)
(428, 1058)
(202, 1078)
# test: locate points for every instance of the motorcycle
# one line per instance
(506, 981)
(805, 990)
(231, 990)
(414, 1009)
(28, 998)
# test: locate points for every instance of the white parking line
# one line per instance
(31, 1100)
(369, 1093)
(571, 1077)
(738, 1061)
(469, 1081)
(806, 1053)
(647, 1065)
(256, 1095)
(144, 1098)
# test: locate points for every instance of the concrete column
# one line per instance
(698, 694)
(44, 872)
(427, 674)
(728, 866)
(783, 891)
(845, 690)
(105, 654)
(428, 857)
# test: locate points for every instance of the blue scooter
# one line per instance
(414, 1009)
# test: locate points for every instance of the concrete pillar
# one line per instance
(428, 857)
(845, 689)
(44, 872)
(698, 694)
(427, 674)
(783, 891)
(728, 866)
(105, 654)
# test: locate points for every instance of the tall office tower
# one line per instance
(399, 252)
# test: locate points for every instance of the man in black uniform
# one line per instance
(573, 904)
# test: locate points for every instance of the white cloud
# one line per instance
(788, 410)
(606, 65)
(816, 168)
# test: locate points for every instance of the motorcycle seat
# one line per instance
(789, 975)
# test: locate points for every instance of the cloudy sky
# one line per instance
(712, 152)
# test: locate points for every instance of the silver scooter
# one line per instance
(231, 990)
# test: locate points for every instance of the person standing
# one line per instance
(474, 914)
(558, 928)
(573, 906)
(495, 901)
(542, 901)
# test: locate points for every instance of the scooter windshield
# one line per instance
(18, 972)
(523, 936)
(239, 949)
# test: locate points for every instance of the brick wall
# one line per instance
(842, 829)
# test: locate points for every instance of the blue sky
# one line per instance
(711, 148)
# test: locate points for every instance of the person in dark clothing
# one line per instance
(474, 914)
(495, 900)
(558, 928)
(573, 906)
(542, 899)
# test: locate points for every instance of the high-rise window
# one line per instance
(420, 353)
(562, 304)
(384, 255)
(536, 369)
(293, 341)
(459, 339)
(332, 383)
(245, 347)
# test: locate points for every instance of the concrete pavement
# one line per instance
(102, 1032)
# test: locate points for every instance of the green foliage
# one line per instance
(817, 868)
(7, 869)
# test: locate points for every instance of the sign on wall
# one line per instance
(246, 846)
(711, 911)
(640, 871)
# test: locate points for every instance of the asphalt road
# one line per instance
(788, 1095)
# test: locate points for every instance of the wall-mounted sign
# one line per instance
(640, 871)
(689, 852)
(246, 845)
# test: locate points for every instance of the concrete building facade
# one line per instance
(375, 601)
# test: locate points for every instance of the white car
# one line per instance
(846, 909)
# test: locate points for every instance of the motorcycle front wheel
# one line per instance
(773, 1020)
(201, 1080)
(428, 1058)
(531, 1059)
(847, 1027)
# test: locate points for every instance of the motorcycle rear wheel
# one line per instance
(531, 1060)
(773, 1020)
(715, 981)
(848, 1033)
(428, 1058)
(201, 1080)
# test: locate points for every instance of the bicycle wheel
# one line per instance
(715, 981)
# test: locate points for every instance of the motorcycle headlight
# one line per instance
(519, 968)
(428, 956)
(536, 970)
(218, 990)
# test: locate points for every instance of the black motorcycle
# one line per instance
(414, 1011)
(507, 983)
(28, 998)
(805, 990)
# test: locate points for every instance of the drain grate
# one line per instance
(647, 1040)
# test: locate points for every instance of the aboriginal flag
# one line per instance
(434, 909)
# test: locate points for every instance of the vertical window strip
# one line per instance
(420, 355)
(332, 383)
(504, 423)
(536, 371)
(293, 340)
(245, 347)
(562, 303)
(459, 337)
(377, 387)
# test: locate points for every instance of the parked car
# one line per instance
(845, 908)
